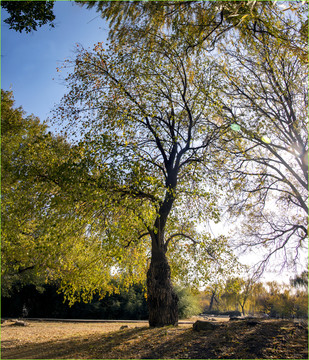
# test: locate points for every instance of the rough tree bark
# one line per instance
(162, 300)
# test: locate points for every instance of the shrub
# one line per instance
(188, 303)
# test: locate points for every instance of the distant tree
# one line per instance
(281, 302)
(273, 299)
(300, 280)
(215, 289)
(258, 291)
(28, 15)
(213, 297)
(238, 291)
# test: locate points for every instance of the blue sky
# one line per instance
(29, 61)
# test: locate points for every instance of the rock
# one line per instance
(124, 327)
(20, 323)
(235, 318)
(264, 316)
(200, 325)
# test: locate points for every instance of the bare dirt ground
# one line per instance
(268, 339)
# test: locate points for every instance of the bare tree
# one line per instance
(264, 106)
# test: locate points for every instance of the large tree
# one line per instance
(260, 30)
(147, 121)
(152, 116)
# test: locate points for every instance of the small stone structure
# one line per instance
(124, 327)
(201, 325)
(19, 323)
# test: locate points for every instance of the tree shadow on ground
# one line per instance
(235, 341)
(266, 339)
(84, 347)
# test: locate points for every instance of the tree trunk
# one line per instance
(212, 300)
(162, 300)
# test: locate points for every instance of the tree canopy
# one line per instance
(147, 124)
(25, 146)
(250, 34)
(28, 15)
(201, 24)
(48, 230)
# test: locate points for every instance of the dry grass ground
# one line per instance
(269, 339)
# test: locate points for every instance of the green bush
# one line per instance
(188, 303)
